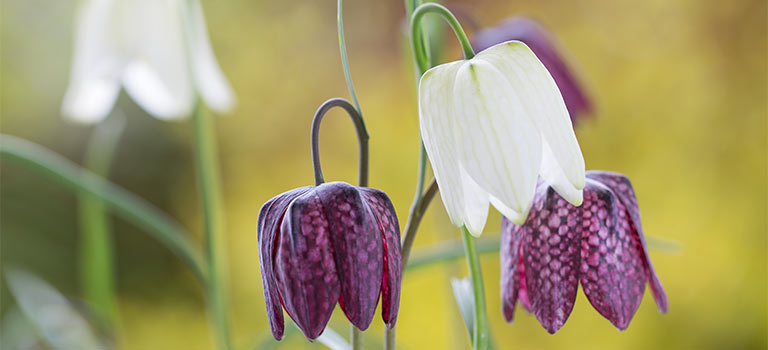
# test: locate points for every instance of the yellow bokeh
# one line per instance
(681, 93)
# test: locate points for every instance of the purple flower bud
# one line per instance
(328, 243)
(599, 244)
(543, 45)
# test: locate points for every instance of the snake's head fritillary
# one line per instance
(319, 245)
(599, 244)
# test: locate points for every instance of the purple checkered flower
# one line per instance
(319, 245)
(599, 244)
(543, 44)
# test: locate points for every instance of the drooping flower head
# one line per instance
(544, 45)
(329, 243)
(158, 50)
(491, 126)
(599, 244)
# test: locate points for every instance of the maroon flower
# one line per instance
(543, 45)
(599, 244)
(328, 243)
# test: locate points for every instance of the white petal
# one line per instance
(543, 102)
(510, 214)
(554, 176)
(210, 81)
(499, 146)
(475, 204)
(96, 64)
(158, 76)
(436, 120)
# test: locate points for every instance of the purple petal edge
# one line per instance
(385, 214)
(622, 187)
(612, 272)
(269, 218)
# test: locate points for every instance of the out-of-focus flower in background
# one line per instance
(543, 44)
(328, 243)
(158, 50)
(600, 244)
(491, 125)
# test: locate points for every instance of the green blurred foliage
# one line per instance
(681, 93)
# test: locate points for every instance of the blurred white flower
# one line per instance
(491, 125)
(158, 50)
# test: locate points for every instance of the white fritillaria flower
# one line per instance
(491, 125)
(158, 50)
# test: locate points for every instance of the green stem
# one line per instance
(96, 251)
(480, 331)
(345, 62)
(418, 209)
(125, 204)
(208, 183)
(422, 199)
(355, 337)
(422, 59)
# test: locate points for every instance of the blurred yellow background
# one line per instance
(680, 88)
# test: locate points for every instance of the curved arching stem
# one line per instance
(362, 139)
(422, 61)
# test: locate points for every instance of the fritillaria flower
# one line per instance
(491, 125)
(599, 244)
(158, 50)
(543, 44)
(329, 243)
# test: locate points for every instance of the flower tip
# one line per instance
(578, 200)
(475, 232)
(520, 219)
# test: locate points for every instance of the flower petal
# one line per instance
(158, 74)
(96, 64)
(306, 272)
(551, 240)
(543, 104)
(209, 79)
(436, 120)
(544, 45)
(270, 216)
(385, 215)
(511, 264)
(475, 204)
(622, 187)
(554, 176)
(358, 250)
(500, 148)
(612, 272)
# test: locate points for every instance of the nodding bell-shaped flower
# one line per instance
(543, 44)
(491, 125)
(599, 244)
(158, 50)
(329, 243)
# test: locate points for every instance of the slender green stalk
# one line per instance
(213, 225)
(355, 337)
(480, 338)
(96, 252)
(125, 204)
(345, 61)
(415, 215)
(424, 62)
